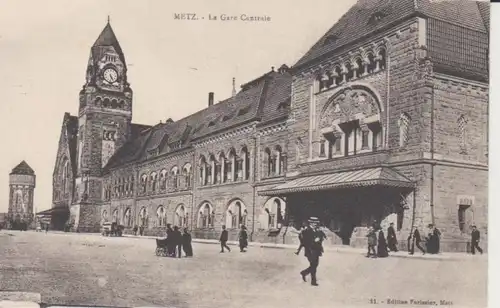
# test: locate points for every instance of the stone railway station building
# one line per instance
(385, 118)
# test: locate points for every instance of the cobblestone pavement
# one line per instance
(93, 270)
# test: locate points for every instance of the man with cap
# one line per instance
(475, 237)
(312, 238)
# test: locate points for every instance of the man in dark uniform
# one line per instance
(475, 237)
(392, 240)
(312, 238)
(223, 239)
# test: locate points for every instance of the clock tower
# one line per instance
(104, 119)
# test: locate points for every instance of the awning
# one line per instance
(382, 176)
(54, 210)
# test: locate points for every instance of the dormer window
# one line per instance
(330, 39)
(377, 17)
(284, 105)
(225, 118)
(212, 123)
(243, 111)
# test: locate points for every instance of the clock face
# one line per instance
(110, 75)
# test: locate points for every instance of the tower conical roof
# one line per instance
(23, 168)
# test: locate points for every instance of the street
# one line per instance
(88, 269)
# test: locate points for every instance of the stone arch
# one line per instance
(106, 103)
(347, 102)
(181, 216)
(272, 214)
(236, 214)
(161, 216)
(143, 217)
(104, 216)
(115, 216)
(205, 215)
(127, 217)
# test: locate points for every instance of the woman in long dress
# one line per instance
(382, 245)
(243, 238)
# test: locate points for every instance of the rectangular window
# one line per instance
(271, 221)
(364, 144)
(461, 218)
(376, 139)
(234, 221)
(322, 149)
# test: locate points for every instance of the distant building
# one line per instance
(22, 182)
(384, 119)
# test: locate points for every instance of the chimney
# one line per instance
(210, 99)
(234, 87)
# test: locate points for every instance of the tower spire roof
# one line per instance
(108, 38)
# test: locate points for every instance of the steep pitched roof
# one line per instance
(263, 99)
(22, 168)
(370, 16)
(108, 38)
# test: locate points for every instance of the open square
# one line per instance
(89, 269)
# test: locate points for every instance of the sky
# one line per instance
(172, 64)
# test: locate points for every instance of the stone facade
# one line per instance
(406, 135)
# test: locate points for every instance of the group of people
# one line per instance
(242, 239)
(177, 242)
(376, 238)
(432, 240)
(311, 239)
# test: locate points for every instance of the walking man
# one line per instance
(313, 249)
(475, 237)
(392, 240)
(223, 239)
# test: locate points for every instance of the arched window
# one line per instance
(371, 65)
(381, 59)
(144, 183)
(462, 133)
(404, 127)
(132, 187)
(143, 217)
(278, 160)
(153, 178)
(128, 217)
(174, 172)
(230, 167)
(181, 216)
(161, 216)
(163, 179)
(245, 168)
(206, 216)
(186, 172)
(222, 168)
(236, 214)
(64, 176)
(115, 215)
(203, 171)
(273, 214)
(214, 170)
(268, 162)
(104, 216)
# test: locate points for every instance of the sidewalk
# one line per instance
(338, 249)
